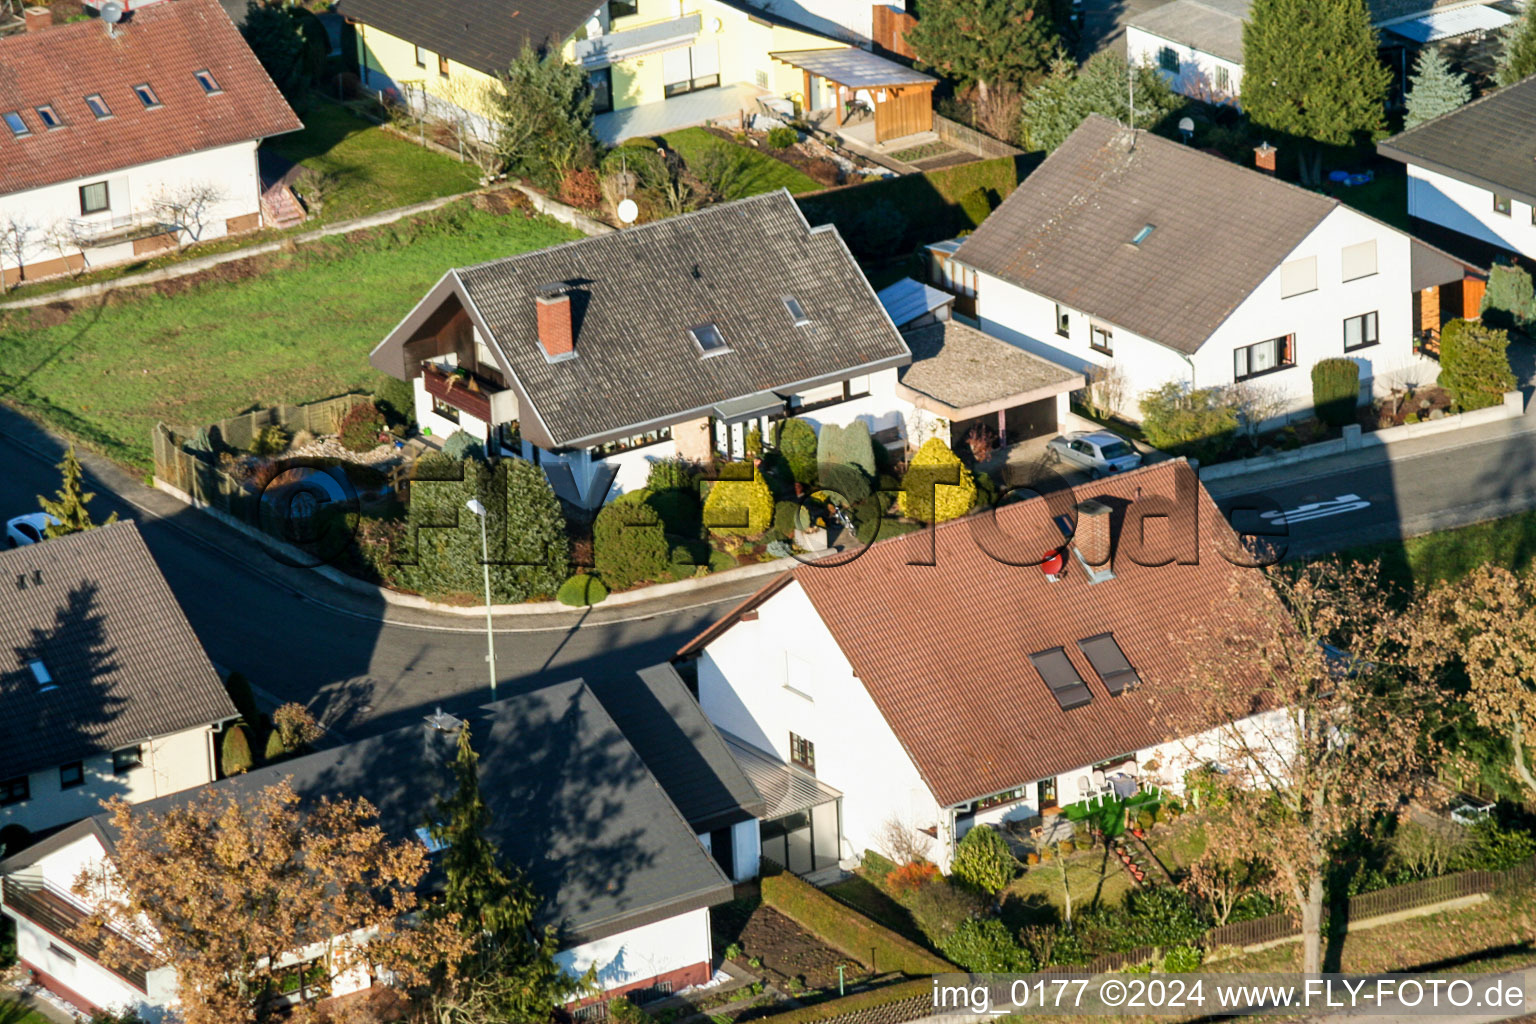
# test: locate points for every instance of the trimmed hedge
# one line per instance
(1474, 364)
(628, 545)
(846, 929)
(925, 492)
(235, 752)
(870, 1000)
(738, 506)
(796, 442)
(581, 590)
(1336, 390)
(845, 458)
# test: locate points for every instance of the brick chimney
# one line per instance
(38, 18)
(1264, 158)
(555, 325)
(1091, 541)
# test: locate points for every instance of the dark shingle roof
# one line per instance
(162, 44)
(1211, 26)
(571, 803)
(124, 661)
(1220, 229)
(638, 291)
(482, 34)
(969, 373)
(1490, 142)
(680, 746)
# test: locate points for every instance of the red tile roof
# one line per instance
(944, 649)
(161, 45)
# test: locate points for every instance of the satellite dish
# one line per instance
(628, 211)
(1186, 127)
(111, 12)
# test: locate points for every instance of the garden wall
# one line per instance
(848, 930)
(971, 140)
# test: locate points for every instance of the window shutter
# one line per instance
(676, 67)
(1359, 260)
(1298, 277)
(1287, 349)
(706, 59)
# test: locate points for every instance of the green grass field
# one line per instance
(17, 1013)
(1421, 562)
(296, 327)
(753, 172)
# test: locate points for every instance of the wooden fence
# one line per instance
(968, 138)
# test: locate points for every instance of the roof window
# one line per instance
(1109, 661)
(17, 126)
(49, 117)
(1059, 674)
(207, 81)
(426, 838)
(708, 338)
(146, 96)
(98, 105)
(1143, 234)
(796, 311)
(45, 681)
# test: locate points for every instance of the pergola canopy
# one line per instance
(853, 68)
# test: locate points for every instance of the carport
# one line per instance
(902, 99)
(972, 380)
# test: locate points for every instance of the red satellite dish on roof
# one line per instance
(1053, 563)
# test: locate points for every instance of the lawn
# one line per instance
(1385, 198)
(1451, 554)
(1109, 815)
(285, 327)
(753, 172)
(16, 1013)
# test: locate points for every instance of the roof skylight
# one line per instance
(1059, 674)
(1110, 662)
(1141, 235)
(146, 96)
(49, 117)
(796, 311)
(98, 105)
(40, 673)
(14, 122)
(207, 81)
(708, 338)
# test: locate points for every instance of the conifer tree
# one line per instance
(1310, 71)
(1519, 59)
(984, 42)
(1435, 88)
(68, 504)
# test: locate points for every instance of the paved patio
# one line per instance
(685, 111)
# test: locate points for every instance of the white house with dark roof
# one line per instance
(1130, 251)
(598, 357)
(621, 872)
(107, 691)
(118, 144)
(1473, 171)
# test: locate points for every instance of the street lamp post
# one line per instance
(473, 504)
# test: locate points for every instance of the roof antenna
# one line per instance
(112, 13)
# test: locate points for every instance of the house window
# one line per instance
(49, 117)
(1223, 79)
(625, 444)
(796, 311)
(998, 799)
(1359, 260)
(17, 126)
(207, 81)
(1360, 331)
(622, 8)
(98, 105)
(71, 775)
(1265, 357)
(421, 57)
(127, 759)
(1298, 277)
(94, 198)
(601, 84)
(54, 949)
(1168, 59)
(802, 752)
(1501, 204)
(14, 791)
(1101, 339)
(442, 65)
(146, 96)
(445, 410)
(1063, 322)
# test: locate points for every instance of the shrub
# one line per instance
(1066, 847)
(1183, 959)
(579, 188)
(738, 506)
(1336, 390)
(360, 428)
(672, 474)
(842, 928)
(274, 750)
(295, 727)
(1510, 300)
(461, 445)
(1160, 815)
(719, 561)
(983, 861)
(622, 1011)
(396, 399)
(628, 544)
(937, 907)
(272, 439)
(1198, 423)
(796, 442)
(785, 517)
(1489, 846)
(235, 751)
(928, 492)
(581, 590)
(845, 461)
(754, 443)
(782, 137)
(985, 947)
(911, 876)
(1145, 820)
(1159, 916)
(680, 512)
(1474, 364)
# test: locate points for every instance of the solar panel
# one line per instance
(1109, 661)
(1061, 677)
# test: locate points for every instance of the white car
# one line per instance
(1098, 451)
(27, 529)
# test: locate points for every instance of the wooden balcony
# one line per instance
(466, 392)
(59, 915)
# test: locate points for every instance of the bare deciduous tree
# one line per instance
(69, 238)
(1107, 389)
(462, 113)
(1220, 878)
(1327, 742)
(1257, 403)
(17, 240)
(230, 888)
(901, 842)
(187, 206)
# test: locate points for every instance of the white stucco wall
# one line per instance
(644, 952)
(634, 466)
(847, 20)
(1441, 199)
(133, 191)
(171, 764)
(1198, 73)
(879, 410)
(783, 673)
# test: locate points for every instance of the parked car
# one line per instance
(27, 529)
(1098, 451)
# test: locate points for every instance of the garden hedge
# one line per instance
(1474, 364)
(925, 493)
(846, 929)
(1336, 390)
(796, 442)
(845, 459)
(628, 545)
(739, 506)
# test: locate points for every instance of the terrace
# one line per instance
(43, 904)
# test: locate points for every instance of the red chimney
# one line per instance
(37, 18)
(555, 325)
(1091, 539)
(1264, 158)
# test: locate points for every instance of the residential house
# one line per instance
(653, 65)
(1131, 251)
(1197, 45)
(621, 873)
(943, 681)
(599, 357)
(106, 690)
(1472, 172)
(122, 140)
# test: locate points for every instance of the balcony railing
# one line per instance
(56, 913)
(462, 390)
